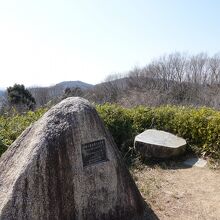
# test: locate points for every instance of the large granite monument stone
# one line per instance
(66, 166)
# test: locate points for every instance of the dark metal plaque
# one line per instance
(94, 152)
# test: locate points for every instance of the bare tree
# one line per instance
(214, 63)
(177, 78)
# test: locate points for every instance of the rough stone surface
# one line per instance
(42, 175)
(159, 144)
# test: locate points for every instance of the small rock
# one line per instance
(197, 162)
(159, 144)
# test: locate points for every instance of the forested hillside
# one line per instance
(177, 79)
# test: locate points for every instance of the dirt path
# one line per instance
(180, 193)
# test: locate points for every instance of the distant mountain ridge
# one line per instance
(43, 95)
(72, 84)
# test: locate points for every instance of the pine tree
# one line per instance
(19, 96)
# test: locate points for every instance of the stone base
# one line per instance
(159, 144)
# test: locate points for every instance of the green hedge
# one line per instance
(12, 125)
(199, 126)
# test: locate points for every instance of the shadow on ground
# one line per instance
(182, 162)
(150, 213)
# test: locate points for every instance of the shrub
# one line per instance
(119, 123)
(199, 126)
(11, 126)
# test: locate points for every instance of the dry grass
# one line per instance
(175, 192)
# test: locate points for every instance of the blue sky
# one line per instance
(43, 42)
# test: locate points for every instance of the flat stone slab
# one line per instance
(197, 162)
(159, 144)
